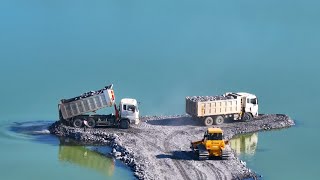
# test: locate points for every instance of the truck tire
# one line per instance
(208, 121)
(246, 117)
(124, 124)
(91, 123)
(77, 123)
(64, 122)
(218, 120)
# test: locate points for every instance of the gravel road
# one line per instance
(159, 147)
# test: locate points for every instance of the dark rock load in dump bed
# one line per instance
(208, 98)
(87, 94)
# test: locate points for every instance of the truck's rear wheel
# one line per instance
(208, 121)
(124, 124)
(77, 123)
(218, 120)
(246, 117)
(91, 123)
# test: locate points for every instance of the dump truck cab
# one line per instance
(129, 110)
(212, 145)
(250, 103)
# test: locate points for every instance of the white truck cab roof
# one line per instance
(248, 95)
(129, 101)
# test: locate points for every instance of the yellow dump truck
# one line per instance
(212, 145)
(214, 109)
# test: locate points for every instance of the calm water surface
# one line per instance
(157, 52)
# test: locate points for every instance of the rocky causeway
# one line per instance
(159, 147)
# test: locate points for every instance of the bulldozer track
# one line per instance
(199, 174)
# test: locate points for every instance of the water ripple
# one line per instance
(29, 130)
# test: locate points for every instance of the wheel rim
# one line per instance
(219, 121)
(208, 121)
(246, 117)
(77, 123)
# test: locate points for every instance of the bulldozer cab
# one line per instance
(213, 134)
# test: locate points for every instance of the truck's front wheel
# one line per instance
(77, 123)
(219, 120)
(246, 117)
(124, 124)
(208, 121)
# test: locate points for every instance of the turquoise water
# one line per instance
(159, 52)
(29, 152)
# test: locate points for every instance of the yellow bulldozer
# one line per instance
(211, 146)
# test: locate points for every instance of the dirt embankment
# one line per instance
(159, 147)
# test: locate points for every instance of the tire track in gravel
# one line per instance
(155, 145)
(199, 175)
(176, 163)
(217, 172)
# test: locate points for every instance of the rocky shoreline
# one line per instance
(158, 147)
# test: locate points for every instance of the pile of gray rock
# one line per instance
(87, 94)
(208, 98)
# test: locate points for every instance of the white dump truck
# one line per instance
(81, 110)
(214, 109)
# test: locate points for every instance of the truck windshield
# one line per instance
(131, 108)
(214, 136)
(254, 101)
